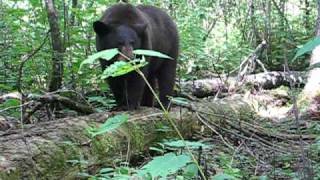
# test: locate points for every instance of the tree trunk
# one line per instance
(72, 16)
(255, 34)
(306, 14)
(56, 75)
(312, 87)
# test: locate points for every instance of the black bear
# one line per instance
(129, 27)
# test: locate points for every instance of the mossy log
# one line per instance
(44, 150)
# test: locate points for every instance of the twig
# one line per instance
(25, 58)
(250, 60)
(15, 107)
(212, 129)
(212, 25)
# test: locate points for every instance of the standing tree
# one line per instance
(56, 76)
(312, 88)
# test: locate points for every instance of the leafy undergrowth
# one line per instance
(290, 151)
(226, 153)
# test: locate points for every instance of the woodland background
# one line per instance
(223, 43)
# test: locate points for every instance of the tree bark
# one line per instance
(56, 75)
(253, 23)
(269, 80)
(42, 151)
(72, 15)
(312, 87)
(306, 14)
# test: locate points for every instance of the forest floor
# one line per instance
(288, 153)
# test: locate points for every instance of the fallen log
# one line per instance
(269, 80)
(44, 150)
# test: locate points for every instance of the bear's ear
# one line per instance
(140, 28)
(100, 28)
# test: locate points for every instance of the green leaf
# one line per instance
(120, 68)
(35, 3)
(163, 166)
(180, 100)
(150, 53)
(164, 129)
(106, 170)
(309, 46)
(84, 175)
(181, 144)
(191, 171)
(222, 176)
(5, 87)
(123, 170)
(104, 101)
(110, 125)
(121, 177)
(11, 102)
(105, 54)
(313, 66)
(263, 178)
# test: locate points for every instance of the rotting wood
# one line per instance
(269, 80)
(44, 148)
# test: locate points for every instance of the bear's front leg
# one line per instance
(134, 90)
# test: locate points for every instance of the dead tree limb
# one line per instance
(249, 65)
(209, 87)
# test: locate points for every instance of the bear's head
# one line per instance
(125, 37)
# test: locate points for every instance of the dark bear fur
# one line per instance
(129, 27)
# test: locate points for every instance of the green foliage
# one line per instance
(105, 54)
(309, 46)
(222, 176)
(150, 53)
(100, 100)
(228, 169)
(316, 65)
(315, 150)
(10, 103)
(110, 125)
(24, 26)
(120, 68)
(231, 39)
(162, 166)
(180, 100)
(190, 171)
(13, 105)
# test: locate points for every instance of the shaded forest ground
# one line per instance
(250, 133)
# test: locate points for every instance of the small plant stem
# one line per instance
(166, 115)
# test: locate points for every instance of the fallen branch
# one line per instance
(249, 65)
(269, 80)
(39, 101)
(65, 101)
